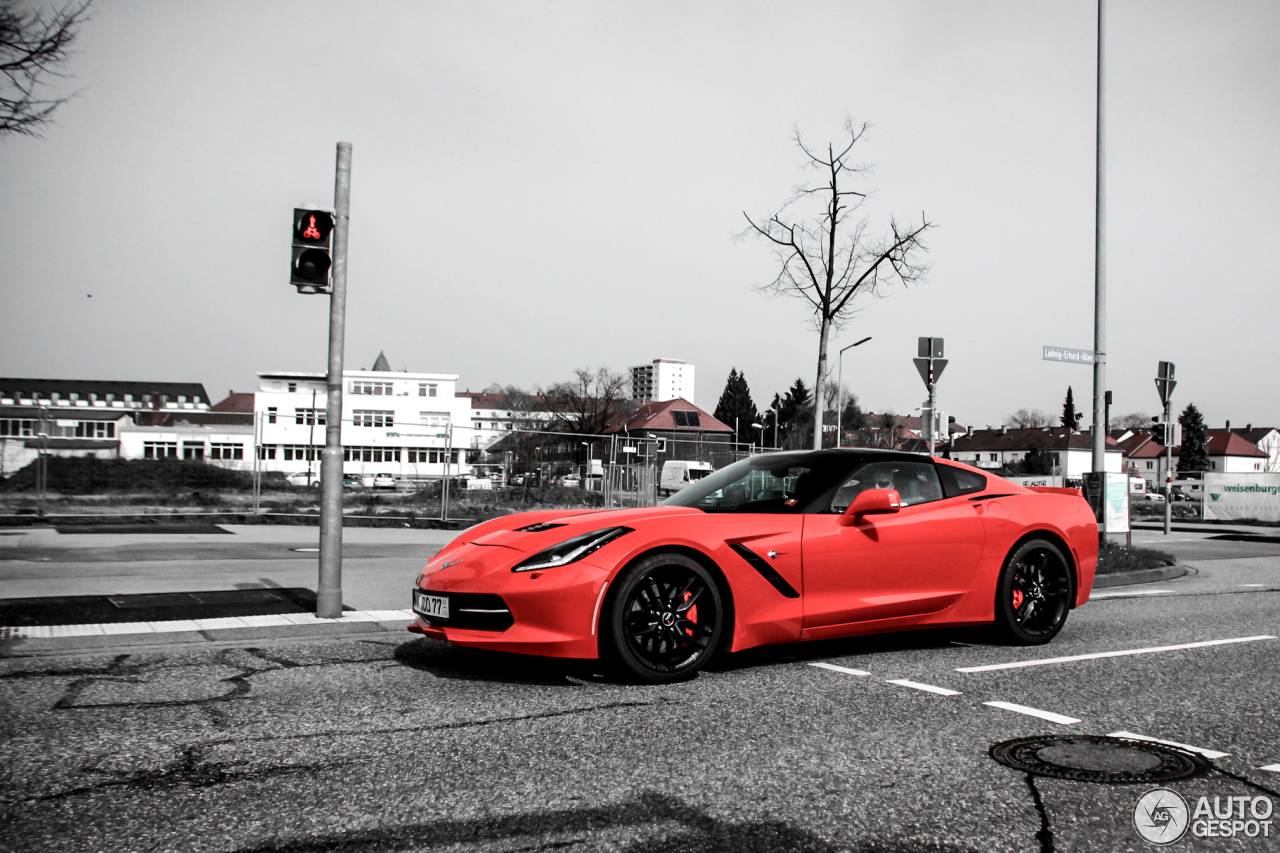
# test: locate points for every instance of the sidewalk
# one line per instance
(378, 571)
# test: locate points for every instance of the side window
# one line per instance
(915, 483)
(958, 481)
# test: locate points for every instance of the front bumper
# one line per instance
(554, 613)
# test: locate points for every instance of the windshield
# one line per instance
(770, 482)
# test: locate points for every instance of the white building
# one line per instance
(665, 379)
(407, 424)
(1070, 452)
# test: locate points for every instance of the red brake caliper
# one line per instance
(1017, 598)
(692, 614)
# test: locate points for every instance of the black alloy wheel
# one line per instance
(1033, 595)
(665, 618)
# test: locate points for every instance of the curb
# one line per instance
(57, 639)
(1163, 573)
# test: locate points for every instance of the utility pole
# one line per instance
(1100, 278)
(329, 593)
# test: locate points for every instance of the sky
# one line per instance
(544, 186)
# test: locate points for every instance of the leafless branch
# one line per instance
(34, 45)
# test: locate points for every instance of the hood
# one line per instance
(509, 532)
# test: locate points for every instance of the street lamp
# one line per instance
(761, 428)
(840, 386)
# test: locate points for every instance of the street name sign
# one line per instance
(1075, 356)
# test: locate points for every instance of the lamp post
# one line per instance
(761, 428)
(840, 385)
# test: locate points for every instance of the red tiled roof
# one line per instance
(658, 416)
(1142, 446)
(1015, 439)
(234, 402)
(1223, 443)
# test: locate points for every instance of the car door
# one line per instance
(915, 561)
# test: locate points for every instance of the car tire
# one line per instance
(1033, 593)
(663, 620)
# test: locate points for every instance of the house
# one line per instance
(672, 429)
(1233, 453)
(1069, 451)
(1266, 439)
(493, 415)
(412, 425)
(81, 417)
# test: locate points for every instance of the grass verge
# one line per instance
(1114, 558)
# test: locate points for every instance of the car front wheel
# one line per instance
(664, 620)
(1033, 595)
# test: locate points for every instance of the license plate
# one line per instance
(434, 606)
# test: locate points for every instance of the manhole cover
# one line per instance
(1091, 758)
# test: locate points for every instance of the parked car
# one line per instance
(384, 481)
(1150, 496)
(304, 478)
(350, 481)
(571, 481)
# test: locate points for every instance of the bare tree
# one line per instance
(1134, 420)
(586, 404)
(826, 256)
(1029, 419)
(33, 46)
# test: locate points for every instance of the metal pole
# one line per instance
(1100, 281)
(840, 386)
(1168, 470)
(933, 398)
(329, 592)
(444, 484)
(311, 438)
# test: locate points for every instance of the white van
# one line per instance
(676, 475)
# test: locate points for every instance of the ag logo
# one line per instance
(1161, 816)
(1217, 496)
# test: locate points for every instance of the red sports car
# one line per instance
(775, 548)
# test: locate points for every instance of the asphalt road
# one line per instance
(379, 745)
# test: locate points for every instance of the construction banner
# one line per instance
(1237, 497)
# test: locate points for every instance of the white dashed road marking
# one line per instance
(1274, 768)
(1034, 712)
(844, 669)
(1117, 654)
(1253, 584)
(1207, 753)
(927, 688)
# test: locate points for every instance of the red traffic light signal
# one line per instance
(312, 230)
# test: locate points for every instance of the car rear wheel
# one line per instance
(1033, 595)
(664, 619)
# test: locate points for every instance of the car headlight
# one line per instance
(571, 550)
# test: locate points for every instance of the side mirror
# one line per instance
(870, 502)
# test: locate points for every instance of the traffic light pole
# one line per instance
(1100, 293)
(329, 591)
(1168, 468)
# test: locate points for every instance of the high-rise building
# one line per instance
(665, 379)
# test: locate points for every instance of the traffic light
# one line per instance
(312, 230)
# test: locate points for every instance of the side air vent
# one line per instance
(766, 571)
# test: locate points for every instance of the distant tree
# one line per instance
(833, 397)
(1034, 464)
(795, 416)
(1194, 453)
(1133, 420)
(1069, 416)
(33, 46)
(826, 258)
(585, 404)
(1029, 418)
(737, 408)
